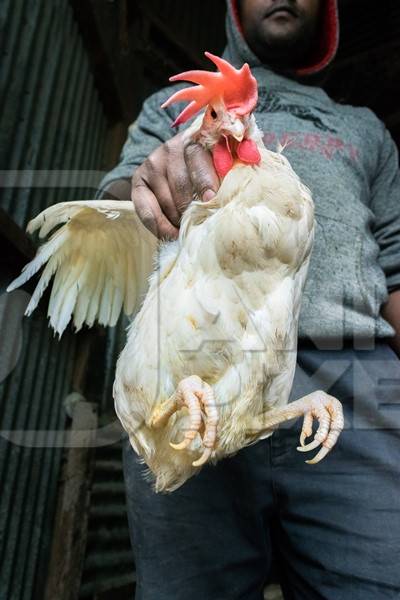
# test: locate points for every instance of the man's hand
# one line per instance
(164, 185)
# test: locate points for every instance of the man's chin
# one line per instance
(286, 35)
(286, 44)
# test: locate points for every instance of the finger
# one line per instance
(161, 190)
(201, 170)
(153, 174)
(179, 181)
(150, 213)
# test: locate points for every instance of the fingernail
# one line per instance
(208, 195)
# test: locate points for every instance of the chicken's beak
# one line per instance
(237, 131)
(238, 137)
(235, 128)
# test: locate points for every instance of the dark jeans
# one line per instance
(333, 529)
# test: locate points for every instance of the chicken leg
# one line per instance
(195, 394)
(319, 405)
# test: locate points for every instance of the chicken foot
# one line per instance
(195, 394)
(319, 405)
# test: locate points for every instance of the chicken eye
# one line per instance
(213, 114)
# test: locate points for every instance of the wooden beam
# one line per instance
(70, 535)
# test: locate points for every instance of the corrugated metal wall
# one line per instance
(51, 118)
(50, 114)
(31, 398)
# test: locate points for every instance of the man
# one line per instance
(334, 528)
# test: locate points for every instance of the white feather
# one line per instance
(101, 256)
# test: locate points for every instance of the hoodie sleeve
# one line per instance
(151, 129)
(385, 205)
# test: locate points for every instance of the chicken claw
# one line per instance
(329, 413)
(196, 395)
(319, 405)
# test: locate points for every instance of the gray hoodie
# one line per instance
(347, 158)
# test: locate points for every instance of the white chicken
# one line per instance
(210, 357)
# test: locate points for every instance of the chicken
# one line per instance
(210, 357)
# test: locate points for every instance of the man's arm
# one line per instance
(391, 312)
(119, 189)
(385, 204)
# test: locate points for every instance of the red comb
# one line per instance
(236, 87)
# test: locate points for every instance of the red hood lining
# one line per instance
(328, 40)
